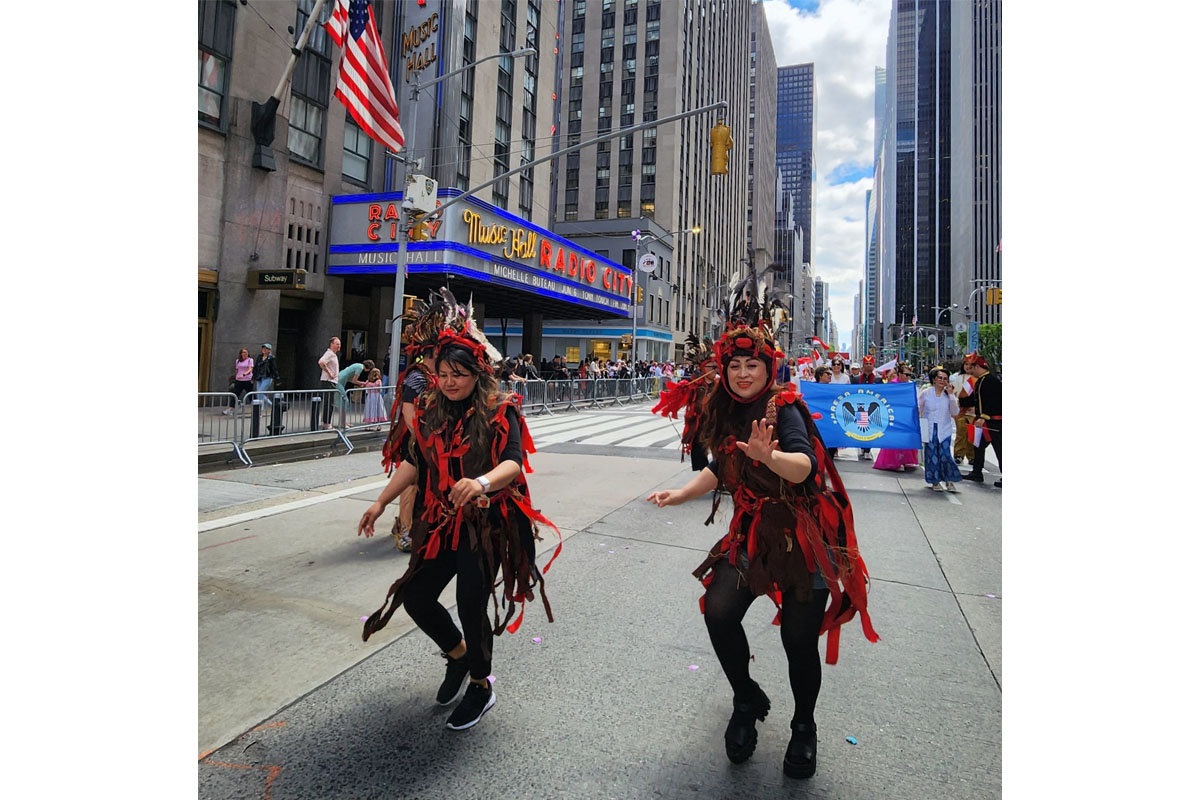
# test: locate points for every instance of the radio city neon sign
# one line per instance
(521, 244)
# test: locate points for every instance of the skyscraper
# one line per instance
(939, 165)
(760, 209)
(673, 57)
(795, 136)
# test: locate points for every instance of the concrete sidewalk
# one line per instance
(606, 703)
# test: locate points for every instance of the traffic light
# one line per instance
(993, 296)
(639, 295)
(720, 140)
(420, 232)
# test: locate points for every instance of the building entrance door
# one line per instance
(205, 353)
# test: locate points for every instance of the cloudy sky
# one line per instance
(845, 40)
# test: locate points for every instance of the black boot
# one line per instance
(740, 736)
(800, 760)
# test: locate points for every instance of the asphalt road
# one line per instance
(621, 696)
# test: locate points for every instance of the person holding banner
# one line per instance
(938, 407)
(465, 450)
(791, 536)
(838, 371)
(894, 459)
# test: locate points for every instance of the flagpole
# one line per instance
(262, 115)
(298, 49)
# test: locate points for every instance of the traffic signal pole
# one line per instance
(398, 305)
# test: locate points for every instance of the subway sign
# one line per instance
(476, 240)
(276, 278)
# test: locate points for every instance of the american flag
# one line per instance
(363, 84)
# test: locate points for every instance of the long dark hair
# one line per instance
(481, 403)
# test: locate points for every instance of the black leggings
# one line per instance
(726, 602)
(473, 590)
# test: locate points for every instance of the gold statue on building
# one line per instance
(721, 141)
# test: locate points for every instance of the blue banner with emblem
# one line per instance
(865, 414)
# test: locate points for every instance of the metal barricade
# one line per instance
(275, 414)
(220, 421)
(535, 396)
(559, 395)
(354, 412)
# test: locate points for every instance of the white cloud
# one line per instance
(845, 40)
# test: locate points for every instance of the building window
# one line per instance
(356, 152)
(216, 49)
(310, 91)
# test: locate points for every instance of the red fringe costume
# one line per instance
(787, 531)
(500, 527)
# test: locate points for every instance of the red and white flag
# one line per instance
(363, 84)
(818, 341)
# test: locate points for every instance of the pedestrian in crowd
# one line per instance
(465, 458)
(266, 372)
(837, 373)
(350, 376)
(329, 380)
(825, 375)
(937, 407)
(865, 375)
(510, 371)
(985, 402)
(527, 370)
(374, 413)
(855, 372)
(961, 385)
(897, 459)
(788, 501)
(783, 374)
(243, 371)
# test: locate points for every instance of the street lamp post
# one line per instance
(639, 240)
(953, 309)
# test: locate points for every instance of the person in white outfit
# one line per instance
(937, 406)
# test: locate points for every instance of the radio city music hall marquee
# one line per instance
(515, 251)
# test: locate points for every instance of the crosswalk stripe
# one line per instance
(559, 424)
(654, 437)
(573, 432)
(624, 432)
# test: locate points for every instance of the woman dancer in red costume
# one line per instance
(791, 536)
(464, 451)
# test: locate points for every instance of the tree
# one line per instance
(989, 345)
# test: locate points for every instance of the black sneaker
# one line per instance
(973, 478)
(458, 672)
(800, 760)
(474, 705)
(997, 484)
(740, 735)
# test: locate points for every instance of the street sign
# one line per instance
(648, 263)
(960, 327)
(276, 279)
(973, 338)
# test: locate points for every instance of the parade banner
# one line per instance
(865, 415)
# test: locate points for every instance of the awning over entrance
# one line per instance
(512, 266)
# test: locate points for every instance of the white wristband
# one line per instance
(485, 483)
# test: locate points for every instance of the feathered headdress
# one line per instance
(443, 322)
(752, 320)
